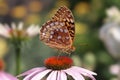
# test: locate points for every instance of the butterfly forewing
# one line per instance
(65, 15)
(59, 31)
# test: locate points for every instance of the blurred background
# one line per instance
(97, 38)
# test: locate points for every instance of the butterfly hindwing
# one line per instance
(55, 34)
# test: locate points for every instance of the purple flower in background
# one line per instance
(58, 68)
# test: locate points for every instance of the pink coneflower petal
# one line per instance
(75, 75)
(58, 75)
(51, 77)
(6, 76)
(39, 76)
(63, 76)
(82, 70)
(31, 75)
(3, 76)
(92, 77)
(32, 70)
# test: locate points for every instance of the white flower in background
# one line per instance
(110, 35)
(4, 31)
(14, 31)
(114, 69)
(58, 68)
(113, 11)
(113, 14)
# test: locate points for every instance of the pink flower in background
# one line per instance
(58, 68)
(4, 75)
(114, 69)
(18, 31)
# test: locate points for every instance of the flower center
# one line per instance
(58, 63)
(17, 33)
(1, 64)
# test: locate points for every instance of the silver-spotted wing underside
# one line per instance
(59, 31)
(65, 15)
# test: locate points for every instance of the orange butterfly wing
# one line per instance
(59, 31)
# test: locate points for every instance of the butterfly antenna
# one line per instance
(84, 44)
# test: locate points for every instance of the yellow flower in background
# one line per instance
(62, 3)
(19, 12)
(4, 8)
(81, 28)
(33, 19)
(35, 6)
(89, 61)
(3, 47)
(82, 8)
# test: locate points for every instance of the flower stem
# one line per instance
(18, 56)
(119, 71)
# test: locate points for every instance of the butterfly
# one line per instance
(59, 32)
